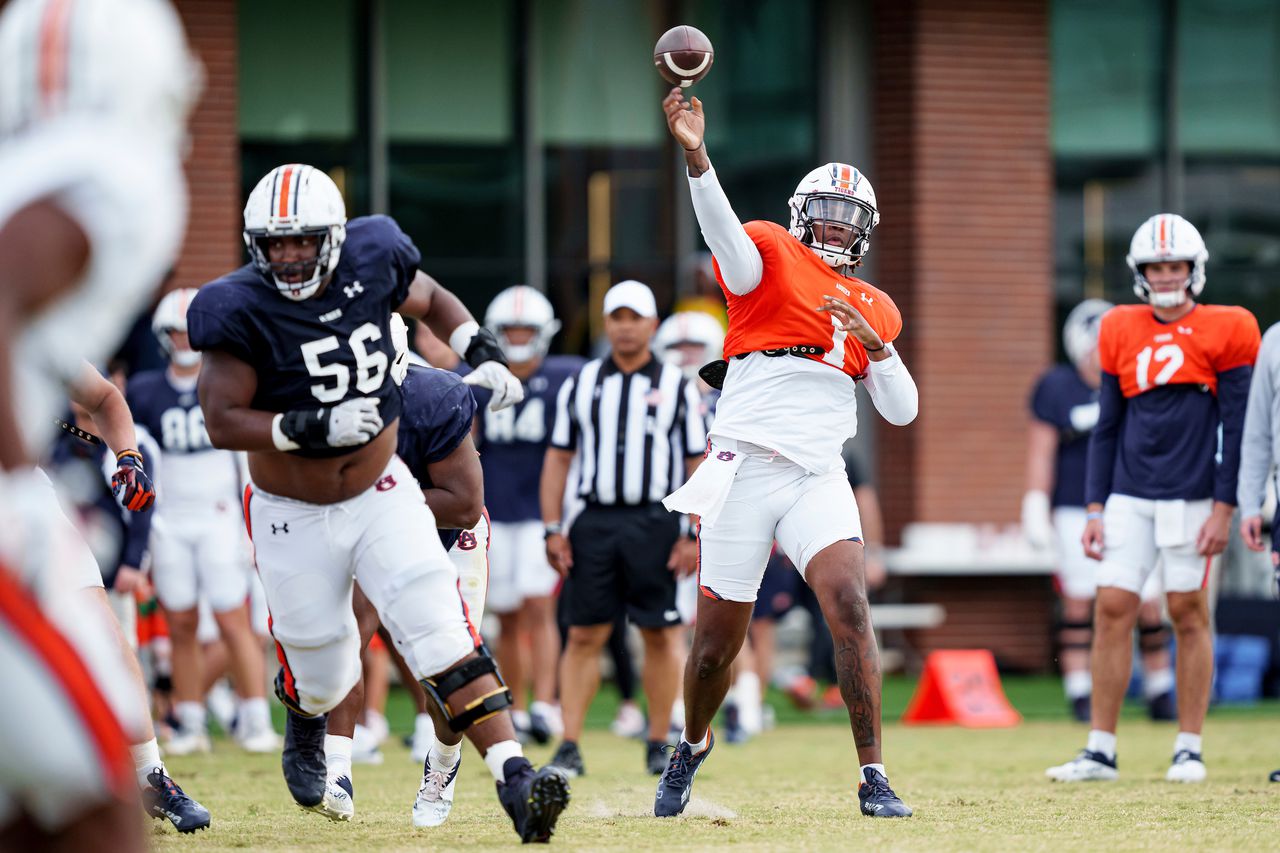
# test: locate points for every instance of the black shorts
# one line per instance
(620, 565)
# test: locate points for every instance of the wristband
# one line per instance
(134, 456)
(461, 337)
(553, 528)
(484, 347)
(874, 349)
(1093, 516)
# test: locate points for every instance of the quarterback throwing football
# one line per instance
(803, 332)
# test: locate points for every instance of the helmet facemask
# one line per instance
(313, 272)
(532, 349)
(836, 227)
(1169, 298)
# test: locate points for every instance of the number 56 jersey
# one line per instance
(332, 347)
(1166, 390)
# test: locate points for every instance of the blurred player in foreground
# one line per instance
(298, 348)
(1064, 408)
(802, 333)
(94, 97)
(1175, 375)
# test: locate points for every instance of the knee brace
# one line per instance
(1153, 638)
(1085, 627)
(441, 687)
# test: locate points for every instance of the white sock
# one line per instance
(423, 726)
(191, 717)
(497, 756)
(255, 714)
(1157, 682)
(1077, 684)
(1104, 742)
(337, 755)
(519, 718)
(444, 756)
(146, 758)
(749, 712)
(1187, 741)
(879, 768)
(542, 709)
(700, 745)
(377, 724)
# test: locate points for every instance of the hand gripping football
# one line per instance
(683, 55)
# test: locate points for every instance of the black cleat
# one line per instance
(538, 729)
(162, 798)
(676, 784)
(533, 799)
(1080, 708)
(1163, 708)
(568, 759)
(655, 757)
(1275, 776)
(877, 799)
(303, 758)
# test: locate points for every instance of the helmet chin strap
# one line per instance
(186, 358)
(1168, 299)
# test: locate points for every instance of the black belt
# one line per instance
(714, 373)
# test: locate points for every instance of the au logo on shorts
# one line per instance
(467, 541)
(726, 455)
(386, 484)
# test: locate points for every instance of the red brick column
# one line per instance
(213, 245)
(964, 176)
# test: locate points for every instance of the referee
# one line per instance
(636, 426)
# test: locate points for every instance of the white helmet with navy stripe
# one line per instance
(296, 200)
(1080, 332)
(833, 212)
(522, 306)
(689, 328)
(171, 316)
(119, 60)
(1167, 237)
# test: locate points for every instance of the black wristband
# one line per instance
(484, 347)
(873, 349)
(309, 428)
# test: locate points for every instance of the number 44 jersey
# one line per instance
(332, 347)
(1167, 387)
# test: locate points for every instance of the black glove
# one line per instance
(484, 347)
(130, 483)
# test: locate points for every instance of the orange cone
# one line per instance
(961, 688)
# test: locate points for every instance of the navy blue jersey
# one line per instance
(1064, 401)
(513, 441)
(332, 347)
(436, 419)
(172, 415)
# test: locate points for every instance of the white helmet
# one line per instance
(689, 327)
(124, 60)
(525, 306)
(839, 194)
(171, 316)
(1167, 237)
(1080, 332)
(296, 200)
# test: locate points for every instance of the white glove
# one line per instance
(353, 422)
(507, 390)
(400, 341)
(1037, 524)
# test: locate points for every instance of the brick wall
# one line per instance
(213, 245)
(965, 187)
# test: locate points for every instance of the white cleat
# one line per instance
(339, 799)
(364, 747)
(424, 736)
(1187, 767)
(435, 796)
(1086, 767)
(187, 743)
(262, 741)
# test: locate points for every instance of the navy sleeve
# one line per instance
(1103, 441)
(452, 424)
(1042, 398)
(405, 257)
(1233, 397)
(212, 325)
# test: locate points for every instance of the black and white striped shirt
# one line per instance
(634, 431)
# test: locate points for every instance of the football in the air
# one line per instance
(683, 55)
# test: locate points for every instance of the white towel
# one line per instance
(706, 491)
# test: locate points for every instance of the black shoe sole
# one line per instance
(186, 830)
(883, 815)
(548, 797)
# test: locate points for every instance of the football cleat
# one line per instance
(435, 796)
(262, 740)
(676, 784)
(303, 758)
(184, 742)
(629, 721)
(339, 801)
(1081, 709)
(163, 799)
(539, 730)
(569, 759)
(364, 747)
(1088, 766)
(1163, 708)
(534, 800)
(732, 718)
(877, 799)
(1275, 776)
(1187, 766)
(655, 757)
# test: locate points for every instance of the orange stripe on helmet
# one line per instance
(53, 51)
(1164, 232)
(285, 180)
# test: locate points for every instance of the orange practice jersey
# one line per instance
(1145, 353)
(780, 311)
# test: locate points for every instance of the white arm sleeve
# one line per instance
(738, 257)
(892, 390)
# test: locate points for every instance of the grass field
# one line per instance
(793, 788)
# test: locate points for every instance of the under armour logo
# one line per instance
(726, 455)
(386, 484)
(867, 299)
(354, 288)
(279, 528)
(467, 541)
(1184, 330)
